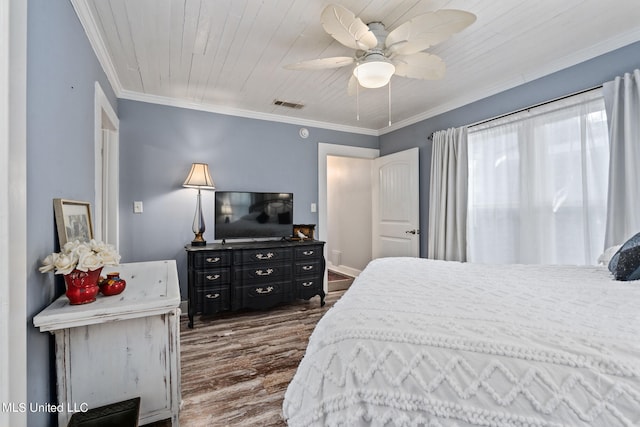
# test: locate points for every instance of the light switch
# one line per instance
(137, 207)
(314, 208)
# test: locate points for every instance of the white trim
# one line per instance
(13, 208)
(230, 111)
(499, 86)
(481, 93)
(102, 101)
(90, 26)
(343, 269)
(97, 43)
(104, 117)
(325, 150)
(111, 186)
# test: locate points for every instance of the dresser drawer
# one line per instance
(308, 252)
(263, 273)
(256, 275)
(214, 299)
(212, 277)
(211, 259)
(307, 288)
(265, 255)
(261, 296)
(311, 267)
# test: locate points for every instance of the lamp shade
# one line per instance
(374, 72)
(199, 177)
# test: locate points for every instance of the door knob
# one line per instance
(412, 231)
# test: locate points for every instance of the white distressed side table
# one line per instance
(120, 347)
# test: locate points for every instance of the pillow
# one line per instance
(608, 253)
(625, 264)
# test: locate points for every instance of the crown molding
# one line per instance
(546, 69)
(97, 43)
(90, 27)
(229, 111)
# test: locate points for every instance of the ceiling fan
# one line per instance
(380, 54)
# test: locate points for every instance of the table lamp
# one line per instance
(200, 178)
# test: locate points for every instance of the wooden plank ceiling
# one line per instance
(228, 55)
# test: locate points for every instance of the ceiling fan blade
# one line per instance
(420, 65)
(427, 30)
(343, 26)
(321, 64)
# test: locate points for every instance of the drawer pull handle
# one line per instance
(268, 255)
(212, 296)
(307, 284)
(213, 277)
(266, 290)
(307, 267)
(266, 272)
(307, 253)
(212, 260)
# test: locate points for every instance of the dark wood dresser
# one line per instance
(255, 275)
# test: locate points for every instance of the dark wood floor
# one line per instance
(236, 367)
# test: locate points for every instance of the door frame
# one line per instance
(325, 150)
(105, 118)
(13, 208)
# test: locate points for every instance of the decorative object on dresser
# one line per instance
(73, 220)
(82, 286)
(113, 284)
(200, 178)
(303, 231)
(121, 347)
(81, 264)
(255, 275)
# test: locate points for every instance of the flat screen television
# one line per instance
(253, 215)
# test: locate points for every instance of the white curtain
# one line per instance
(448, 196)
(538, 184)
(622, 100)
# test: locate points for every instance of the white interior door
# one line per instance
(396, 206)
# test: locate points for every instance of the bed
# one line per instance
(436, 343)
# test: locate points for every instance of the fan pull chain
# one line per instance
(357, 102)
(389, 102)
(357, 96)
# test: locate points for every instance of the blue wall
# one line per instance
(159, 143)
(61, 73)
(571, 80)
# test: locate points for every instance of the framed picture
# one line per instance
(73, 220)
(306, 229)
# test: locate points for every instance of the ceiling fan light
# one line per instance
(374, 74)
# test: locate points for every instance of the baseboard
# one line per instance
(343, 269)
(339, 285)
(184, 306)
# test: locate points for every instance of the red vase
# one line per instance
(82, 286)
(112, 285)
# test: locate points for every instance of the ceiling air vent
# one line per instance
(288, 104)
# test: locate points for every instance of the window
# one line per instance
(538, 184)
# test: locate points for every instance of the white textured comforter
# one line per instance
(434, 343)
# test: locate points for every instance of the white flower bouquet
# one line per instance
(83, 256)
